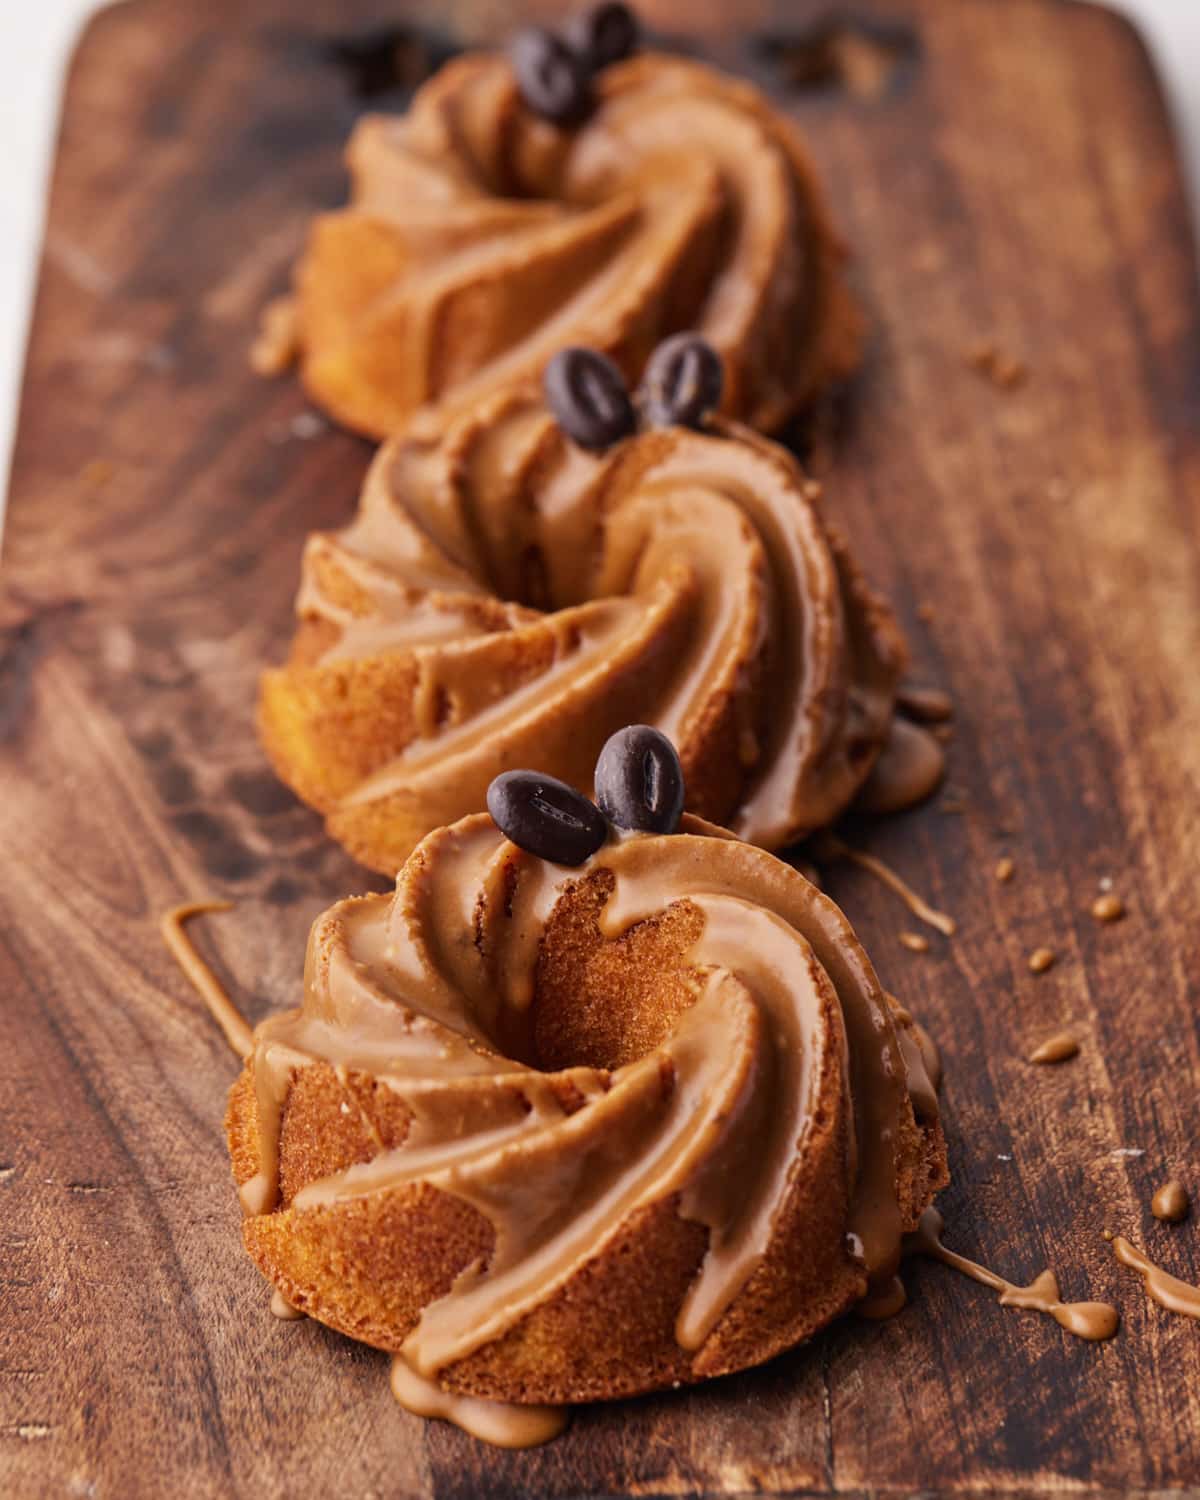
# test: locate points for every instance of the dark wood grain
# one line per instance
(1005, 174)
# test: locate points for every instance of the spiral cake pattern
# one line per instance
(558, 1135)
(506, 598)
(480, 239)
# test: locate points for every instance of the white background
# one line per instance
(35, 38)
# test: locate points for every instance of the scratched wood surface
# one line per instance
(1006, 176)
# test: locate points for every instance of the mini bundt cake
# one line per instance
(566, 194)
(506, 595)
(559, 1134)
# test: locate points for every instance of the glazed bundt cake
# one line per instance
(558, 1133)
(507, 595)
(563, 194)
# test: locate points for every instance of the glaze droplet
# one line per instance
(1055, 1049)
(1171, 1202)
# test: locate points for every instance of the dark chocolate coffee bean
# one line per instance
(554, 82)
(546, 817)
(683, 381)
(603, 34)
(639, 781)
(586, 393)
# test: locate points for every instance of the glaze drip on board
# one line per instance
(214, 994)
(501, 1423)
(1086, 1320)
(1160, 1286)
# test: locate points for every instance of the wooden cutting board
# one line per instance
(1006, 177)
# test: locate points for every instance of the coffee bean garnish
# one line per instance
(554, 81)
(602, 35)
(639, 781)
(586, 393)
(546, 817)
(683, 382)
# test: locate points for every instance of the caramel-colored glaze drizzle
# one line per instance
(1108, 907)
(884, 1303)
(204, 981)
(909, 769)
(501, 1423)
(920, 908)
(1042, 959)
(1161, 1287)
(1086, 1320)
(927, 705)
(1055, 1049)
(1171, 1202)
(282, 1309)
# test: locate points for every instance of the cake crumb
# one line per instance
(1005, 371)
(1108, 908)
(307, 425)
(1005, 869)
(926, 613)
(1041, 959)
(813, 489)
(1055, 1049)
(915, 942)
(277, 346)
(1171, 1202)
(97, 472)
(1009, 372)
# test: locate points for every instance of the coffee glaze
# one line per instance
(504, 1424)
(282, 1309)
(762, 1106)
(910, 769)
(222, 1009)
(1086, 1320)
(829, 847)
(927, 705)
(885, 1303)
(681, 579)
(1060, 1047)
(1171, 1202)
(480, 240)
(1160, 1286)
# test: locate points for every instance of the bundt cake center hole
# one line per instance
(605, 1002)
